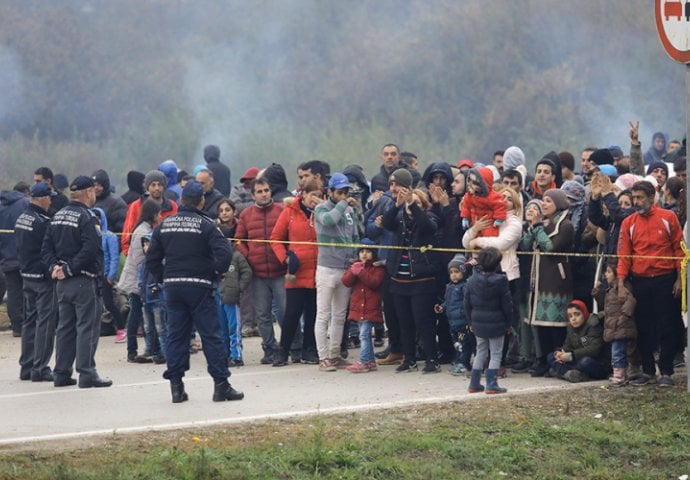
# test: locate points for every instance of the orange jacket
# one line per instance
(294, 226)
(653, 235)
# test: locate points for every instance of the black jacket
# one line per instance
(417, 231)
(194, 250)
(58, 202)
(73, 240)
(12, 204)
(211, 201)
(30, 229)
(221, 176)
(488, 305)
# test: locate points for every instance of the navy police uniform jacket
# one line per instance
(195, 251)
(73, 241)
(30, 229)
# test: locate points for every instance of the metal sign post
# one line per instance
(673, 26)
(687, 203)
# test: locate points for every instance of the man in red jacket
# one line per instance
(648, 239)
(268, 283)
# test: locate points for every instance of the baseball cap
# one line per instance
(42, 189)
(82, 182)
(338, 181)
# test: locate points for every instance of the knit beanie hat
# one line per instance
(654, 165)
(512, 158)
(574, 191)
(608, 170)
(402, 177)
(626, 181)
(537, 203)
(458, 262)
(601, 157)
(369, 244)
(559, 198)
(155, 176)
(580, 305)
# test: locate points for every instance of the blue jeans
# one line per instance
(231, 329)
(619, 353)
(366, 354)
(266, 290)
(188, 306)
(595, 369)
(156, 326)
(135, 319)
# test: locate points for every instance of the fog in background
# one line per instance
(129, 84)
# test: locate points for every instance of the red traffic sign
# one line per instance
(673, 25)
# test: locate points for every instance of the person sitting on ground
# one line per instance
(582, 356)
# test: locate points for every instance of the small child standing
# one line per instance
(488, 308)
(454, 308)
(619, 325)
(582, 356)
(233, 285)
(365, 277)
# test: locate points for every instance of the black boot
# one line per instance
(178, 393)
(223, 391)
(280, 357)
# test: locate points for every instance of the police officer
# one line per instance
(73, 253)
(40, 303)
(195, 254)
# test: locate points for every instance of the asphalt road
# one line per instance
(139, 400)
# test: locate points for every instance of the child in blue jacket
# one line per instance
(454, 308)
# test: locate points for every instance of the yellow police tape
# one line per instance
(430, 248)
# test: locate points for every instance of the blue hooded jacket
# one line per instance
(172, 190)
(111, 247)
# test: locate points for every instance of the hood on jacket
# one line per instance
(101, 176)
(169, 168)
(484, 177)
(8, 197)
(355, 174)
(135, 181)
(103, 218)
(275, 176)
(438, 167)
(513, 157)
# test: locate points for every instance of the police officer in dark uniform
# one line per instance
(40, 302)
(73, 252)
(196, 254)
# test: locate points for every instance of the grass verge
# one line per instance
(590, 433)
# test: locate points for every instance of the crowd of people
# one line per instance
(569, 271)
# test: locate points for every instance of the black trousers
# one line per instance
(299, 302)
(657, 316)
(417, 319)
(15, 299)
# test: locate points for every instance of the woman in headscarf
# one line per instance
(552, 286)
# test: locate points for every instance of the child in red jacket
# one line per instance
(365, 277)
(481, 200)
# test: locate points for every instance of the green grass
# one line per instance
(590, 433)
